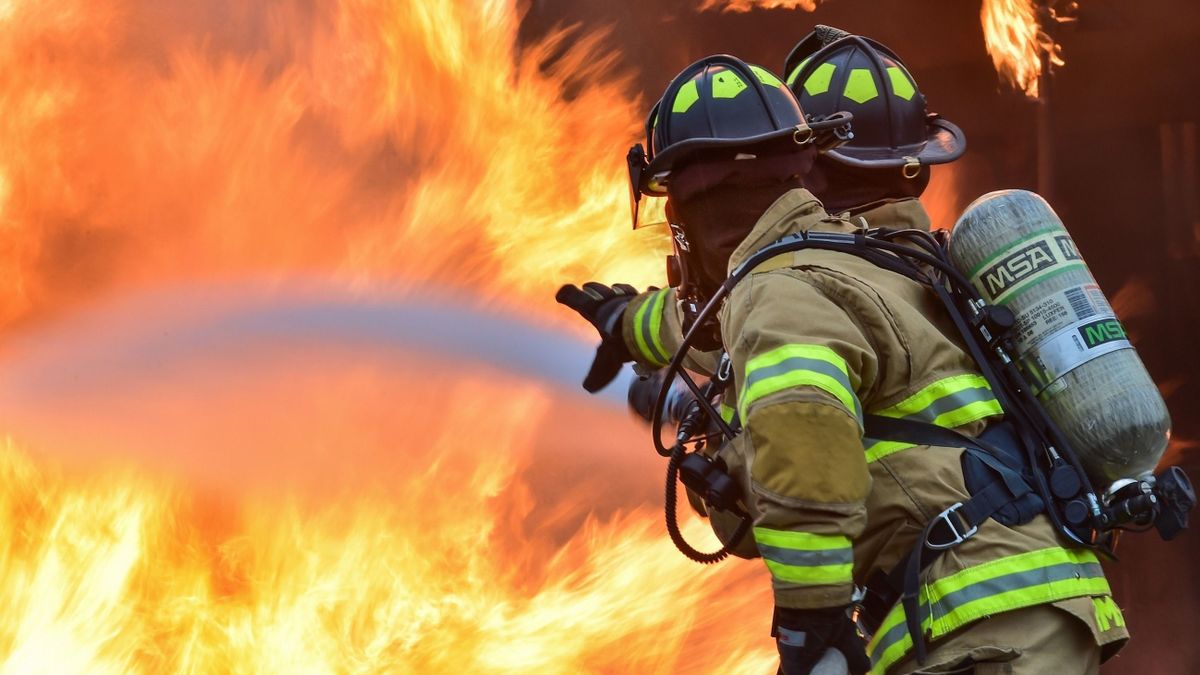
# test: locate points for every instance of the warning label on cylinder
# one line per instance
(1054, 312)
(1065, 330)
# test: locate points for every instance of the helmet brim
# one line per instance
(655, 177)
(944, 143)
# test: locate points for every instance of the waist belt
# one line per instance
(954, 525)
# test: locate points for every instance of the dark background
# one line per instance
(1120, 142)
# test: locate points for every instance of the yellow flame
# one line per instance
(1016, 42)
(366, 139)
(119, 571)
(1013, 36)
(748, 5)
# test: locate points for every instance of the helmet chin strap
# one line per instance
(692, 296)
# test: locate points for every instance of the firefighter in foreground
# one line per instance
(819, 338)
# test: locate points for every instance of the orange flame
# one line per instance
(387, 145)
(742, 6)
(1013, 36)
(316, 515)
(1017, 43)
(146, 143)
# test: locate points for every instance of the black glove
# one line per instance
(603, 307)
(804, 635)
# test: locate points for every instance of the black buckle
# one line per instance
(636, 160)
(958, 536)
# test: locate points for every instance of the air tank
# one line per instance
(1070, 345)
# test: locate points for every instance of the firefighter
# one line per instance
(817, 339)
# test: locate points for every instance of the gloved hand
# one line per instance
(603, 307)
(804, 635)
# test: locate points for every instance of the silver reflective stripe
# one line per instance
(955, 601)
(1027, 579)
(794, 638)
(801, 363)
(787, 556)
(952, 402)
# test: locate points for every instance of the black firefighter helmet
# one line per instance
(831, 70)
(722, 108)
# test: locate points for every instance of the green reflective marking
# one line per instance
(727, 85)
(656, 316)
(800, 541)
(766, 77)
(823, 575)
(818, 82)
(860, 86)
(687, 96)
(901, 85)
(796, 71)
(877, 450)
(1008, 583)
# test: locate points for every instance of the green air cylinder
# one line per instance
(1070, 345)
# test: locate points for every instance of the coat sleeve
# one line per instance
(800, 362)
(653, 331)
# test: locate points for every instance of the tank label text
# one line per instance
(1076, 344)
(1024, 263)
(1099, 332)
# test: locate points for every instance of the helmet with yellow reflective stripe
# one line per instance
(831, 70)
(721, 107)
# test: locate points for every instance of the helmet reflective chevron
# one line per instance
(830, 70)
(721, 107)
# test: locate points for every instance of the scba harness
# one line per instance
(1014, 471)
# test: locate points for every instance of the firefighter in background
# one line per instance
(817, 339)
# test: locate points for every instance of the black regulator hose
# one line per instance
(1013, 396)
(670, 502)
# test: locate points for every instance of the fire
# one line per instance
(323, 518)
(1013, 36)
(146, 143)
(748, 5)
(313, 512)
(1017, 42)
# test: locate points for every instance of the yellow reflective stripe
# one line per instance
(726, 84)
(796, 71)
(1107, 613)
(902, 86)
(804, 557)
(798, 365)
(821, 575)
(818, 81)
(727, 413)
(949, 402)
(766, 77)
(800, 541)
(860, 86)
(656, 318)
(1020, 562)
(1005, 584)
(1017, 598)
(687, 96)
(968, 413)
(877, 450)
(648, 319)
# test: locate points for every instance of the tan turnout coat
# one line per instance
(817, 339)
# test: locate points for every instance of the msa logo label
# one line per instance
(1067, 247)
(1018, 266)
(1100, 332)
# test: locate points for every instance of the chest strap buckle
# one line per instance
(948, 531)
